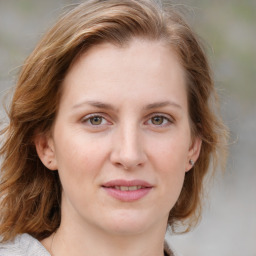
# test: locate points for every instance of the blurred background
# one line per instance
(228, 226)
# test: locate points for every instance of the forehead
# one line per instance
(144, 66)
(150, 51)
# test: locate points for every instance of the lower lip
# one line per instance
(127, 196)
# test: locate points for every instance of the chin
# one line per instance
(129, 222)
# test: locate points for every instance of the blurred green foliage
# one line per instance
(228, 28)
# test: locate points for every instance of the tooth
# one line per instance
(133, 188)
(123, 188)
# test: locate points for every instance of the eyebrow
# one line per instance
(102, 105)
(162, 104)
(97, 104)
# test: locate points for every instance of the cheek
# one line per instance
(79, 163)
(171, 177)
(172, 170)
(80, 159)
(170, 161)
(77, 156)
(171, 154)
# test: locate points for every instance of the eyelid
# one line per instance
(167, 117)
(87, 117)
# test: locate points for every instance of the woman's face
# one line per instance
(121, 139)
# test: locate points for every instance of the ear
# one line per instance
(194, 152)
(45, 150)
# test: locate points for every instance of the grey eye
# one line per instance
(157, 120)
(96, 120)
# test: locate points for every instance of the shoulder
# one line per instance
(23, 245)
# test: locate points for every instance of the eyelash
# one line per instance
(167, 120)
(88, 120)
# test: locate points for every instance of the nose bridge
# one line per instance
(128, 148)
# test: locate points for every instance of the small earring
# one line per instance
(191, 162)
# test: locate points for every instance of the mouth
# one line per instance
(127, 191)
(125, 188)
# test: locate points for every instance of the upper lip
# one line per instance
(127, 183)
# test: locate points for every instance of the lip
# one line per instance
(127, 195)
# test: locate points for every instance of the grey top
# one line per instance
(26, 245)
(23, 245)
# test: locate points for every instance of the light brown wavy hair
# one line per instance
(30, 194)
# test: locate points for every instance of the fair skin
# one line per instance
(123, 116)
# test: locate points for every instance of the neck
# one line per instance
(78, 241)
(79, 236)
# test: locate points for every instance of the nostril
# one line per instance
(128, 155)
(128, 166)
(120, 165)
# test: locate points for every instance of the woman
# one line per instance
(111, 133)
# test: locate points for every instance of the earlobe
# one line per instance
(194, 153)
(45, 150)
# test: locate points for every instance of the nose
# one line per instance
(128, 148)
